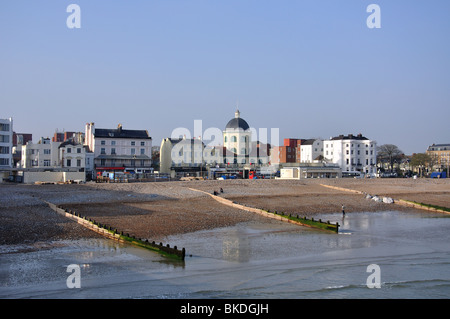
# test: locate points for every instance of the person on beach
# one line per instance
(343, 210)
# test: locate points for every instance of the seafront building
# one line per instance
(119, 150)
(239, 154)
(440, 156)
(352, 153)
(6, 143)
(43, 154)
(236, 139)
(311, 151)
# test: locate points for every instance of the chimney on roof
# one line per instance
(119, 127)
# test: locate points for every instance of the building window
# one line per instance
(102, 151)
(142, 151)
(133, 143)
(113, 143)
(69, 163)
(78, 162)
(233, 139)
(113, 151)
(69, 150)
(78, 150)
(102, 143)
(142, 143)
(133, 151)
(46, 162)
(102, 162)
(47, 152)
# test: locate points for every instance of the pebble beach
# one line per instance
(155, 210)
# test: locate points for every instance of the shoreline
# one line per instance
(157, 210)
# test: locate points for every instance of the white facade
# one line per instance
(351, 153)
(131, 149)
(43, 154)
(6, 137)
(311, 150)
(236, 139)
(72, 155)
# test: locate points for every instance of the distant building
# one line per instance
(440, 155)
(239, 148)
(119, 149)
(236, 139)
(311, 151)
(186, 154)
(6, 143)
(77, 137)
(74, 155)
(353, 153)
(43, 154)
(289, 152)
(19, 139)
(259, 153)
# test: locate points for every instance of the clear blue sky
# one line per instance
(309, 68)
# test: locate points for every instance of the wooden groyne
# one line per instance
(428, 207)
(114, 234)
(294, 219)
(401, 202)
(343, 189)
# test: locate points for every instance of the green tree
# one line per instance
(421, 161)
(389, 153)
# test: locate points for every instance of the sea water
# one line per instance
(250, 260)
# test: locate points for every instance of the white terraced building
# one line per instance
(353, 153)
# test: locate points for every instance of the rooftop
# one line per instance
(121, 133)
(349, 137)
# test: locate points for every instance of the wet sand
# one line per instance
(157, 210)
